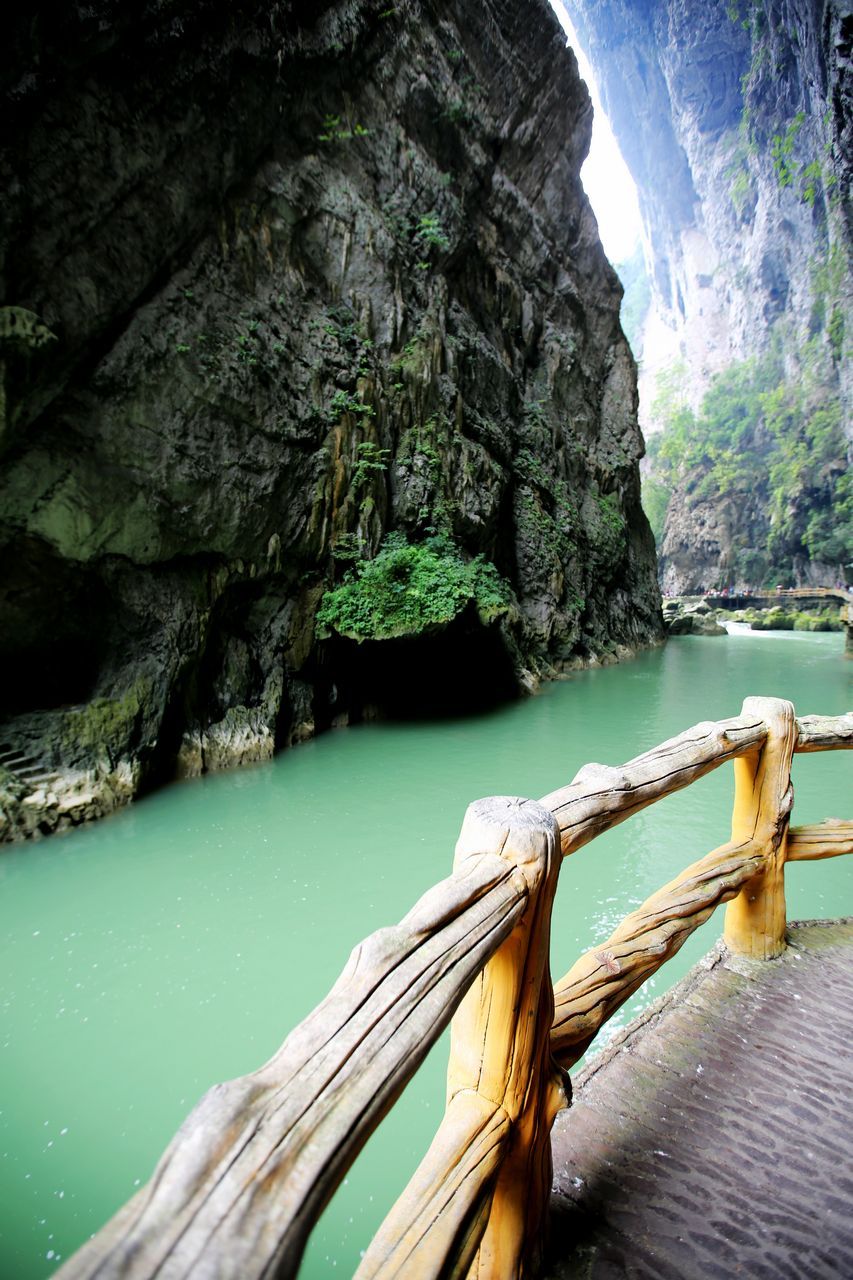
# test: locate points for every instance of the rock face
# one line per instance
(735, 120)
(281, 279)
(701, 536)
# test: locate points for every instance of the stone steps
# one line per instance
(23, 766)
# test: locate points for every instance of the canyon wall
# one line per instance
(735, 119)
(280, 280)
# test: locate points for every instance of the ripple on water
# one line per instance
(184, 937)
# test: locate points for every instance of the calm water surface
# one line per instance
(175, 944)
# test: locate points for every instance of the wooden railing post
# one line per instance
(756, 919)
(245, 1178)
(478, 1203)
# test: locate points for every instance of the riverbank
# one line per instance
(693, 615)
(39, 798)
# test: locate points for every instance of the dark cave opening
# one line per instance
(462, 669)
(54, 623)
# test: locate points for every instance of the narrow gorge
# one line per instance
(735, 119)
(315, 396)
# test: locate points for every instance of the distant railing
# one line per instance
(794, 593)
(842, 595)
(238, 1190)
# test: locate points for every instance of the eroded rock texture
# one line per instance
(735, 119)
(281, 279)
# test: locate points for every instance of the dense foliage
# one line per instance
(656, 494)
(410, 587)
(770, 442)
(781, 619)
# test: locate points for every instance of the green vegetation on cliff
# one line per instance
(765, 439)
(780, 619)
(409, 588)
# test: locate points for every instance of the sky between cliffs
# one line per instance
(605, 175)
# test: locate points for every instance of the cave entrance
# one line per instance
(54, 620)
(463, 668)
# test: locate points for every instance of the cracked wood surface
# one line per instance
(243, 1181)
(481, 1211)
(825, 733)
(821, 840)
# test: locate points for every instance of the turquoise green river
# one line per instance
(175, 944)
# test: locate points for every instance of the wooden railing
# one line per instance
(236, 1193)
(841, 594)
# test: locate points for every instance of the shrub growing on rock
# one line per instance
(409, 588)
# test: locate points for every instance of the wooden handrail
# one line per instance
(503, 1091)
(607, 975)
(782, 593)
(824, 733)
(601, 796)
(247, 1175)
(253, 1166)
(823, 840)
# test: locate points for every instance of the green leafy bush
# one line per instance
(430, 232)
(780, 619)
(344, 402)
(335, 129)
(782, 151)
(371, 460)
(409, 588)
(607, 531)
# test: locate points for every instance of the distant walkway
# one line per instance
(715, 1139)
(816, 596)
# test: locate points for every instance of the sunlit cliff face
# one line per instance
(737, 130)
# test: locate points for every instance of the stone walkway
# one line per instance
(714, 1137)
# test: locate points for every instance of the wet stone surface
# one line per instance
(714, 1137)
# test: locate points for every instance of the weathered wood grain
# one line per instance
(243, 1181)
(822, 840)
(825, 733)
(756, 919)
(503, 1090)
(603, 979)
(436, 1226)
(600, 796)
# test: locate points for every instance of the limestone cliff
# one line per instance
(735, 119)
(278, 280)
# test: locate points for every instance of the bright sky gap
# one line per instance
(605, 176)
